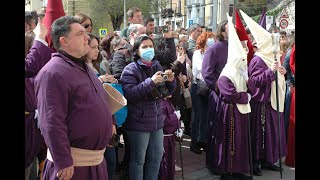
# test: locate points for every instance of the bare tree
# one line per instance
(102, 11)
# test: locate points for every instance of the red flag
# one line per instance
(242, 34)
(54, 11)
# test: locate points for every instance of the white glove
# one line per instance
(178, 114)
(244, 74)
(179, 133)
(36, 116)
(249, 97)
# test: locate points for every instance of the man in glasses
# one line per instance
(134, 17)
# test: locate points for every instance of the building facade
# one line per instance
(38, 5)
(207, 13)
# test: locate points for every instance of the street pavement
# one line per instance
(195, 168)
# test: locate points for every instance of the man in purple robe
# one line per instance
(262, 87)
(214, 61)
(231, 150)
(39, 54)
(75, 117)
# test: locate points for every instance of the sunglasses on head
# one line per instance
(87, 25)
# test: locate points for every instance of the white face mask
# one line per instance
(210, 42)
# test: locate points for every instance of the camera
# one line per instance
(164, 76)
(161, 91)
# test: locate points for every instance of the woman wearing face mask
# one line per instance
(144, 87)
(199, 101)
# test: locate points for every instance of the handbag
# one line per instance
(186, 95)
(122, 113)
(202, 88)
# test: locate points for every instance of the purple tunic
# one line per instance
(74, 112)
(38, 56)
(171, 124)
(264, 131)
(231, 132)
(214, 60)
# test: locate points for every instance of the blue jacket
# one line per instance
(144, 113)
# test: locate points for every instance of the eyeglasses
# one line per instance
(87, 25)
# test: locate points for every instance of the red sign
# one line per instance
(284, 23)
(284, 14)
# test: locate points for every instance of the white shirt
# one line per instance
(197, 59)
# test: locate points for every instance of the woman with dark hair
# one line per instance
(85, 21)
(164, 48)
(93, 53)
(93, 56)
(144, 87)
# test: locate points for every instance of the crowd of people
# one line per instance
(232, 105)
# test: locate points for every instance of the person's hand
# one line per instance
(249, 97)
(157, 77)
(282, 70)
(182, 78)
(108, 78)
(170, 75)
(114, 129)
(244, 74)
(66, 173)
(40, 31)
(275, 66)
(178, 113)
(179, 133)
(291, 88)
(189, 85)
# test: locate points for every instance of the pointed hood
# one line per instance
(237, 59)
(262, 20)
(263, 39)
(264, 44)
(54, 11)
(242, 34)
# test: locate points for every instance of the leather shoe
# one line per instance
(195, 149)
(271, 167)
(245, 177)
(202, 145)
(226, 177)
(257, 172)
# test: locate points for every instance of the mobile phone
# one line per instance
(164, 76)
